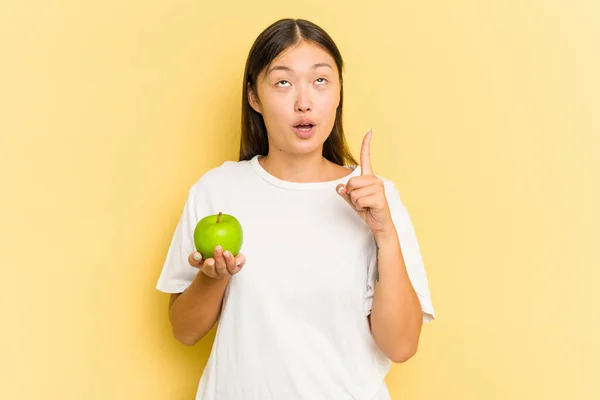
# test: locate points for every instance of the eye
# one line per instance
(321, 81)
(282, 83)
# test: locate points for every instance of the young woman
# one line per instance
(331, 286)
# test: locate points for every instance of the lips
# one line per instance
(304, 126)
(304, 123)
(304, 131)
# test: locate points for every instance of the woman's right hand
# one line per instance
(222, 266)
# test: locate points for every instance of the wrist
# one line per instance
(386, 237)
(204, 280)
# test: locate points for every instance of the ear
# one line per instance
(253, 99)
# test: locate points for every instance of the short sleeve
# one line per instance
(177, 275)
(410, 251)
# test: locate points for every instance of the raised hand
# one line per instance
(366, 193)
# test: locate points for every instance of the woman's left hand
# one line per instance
(366, 194)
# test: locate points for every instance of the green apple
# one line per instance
(218, 230)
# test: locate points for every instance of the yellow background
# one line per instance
(486, 115)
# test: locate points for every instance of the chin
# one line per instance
(300, 146)
(307, 148)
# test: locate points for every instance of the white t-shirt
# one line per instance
(293, 324)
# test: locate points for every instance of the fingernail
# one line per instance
(227, 254)
(197, 256)
(340, 189)
(218, 248)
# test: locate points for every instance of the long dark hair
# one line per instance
(268, 45)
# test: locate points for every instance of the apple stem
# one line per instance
(219, 217)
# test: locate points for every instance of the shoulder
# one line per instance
(389, 185)
(392, 194)
(221, 176)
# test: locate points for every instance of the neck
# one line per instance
(311, 167)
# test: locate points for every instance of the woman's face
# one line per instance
(298, 95)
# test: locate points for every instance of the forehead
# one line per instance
(303, 57)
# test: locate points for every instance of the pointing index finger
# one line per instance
(365, 154)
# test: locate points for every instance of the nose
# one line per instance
(303, 102)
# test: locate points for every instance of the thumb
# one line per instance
(195, 259)
(341, 190)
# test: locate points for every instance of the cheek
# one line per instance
(330, 96)
(329, 102)
(275, 109)
(275, 116)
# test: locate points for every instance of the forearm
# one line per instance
(195, 311)
(396, 316)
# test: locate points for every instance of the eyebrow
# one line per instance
(284, 68)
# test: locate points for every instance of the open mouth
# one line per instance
(304, 127)
(305, 130)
